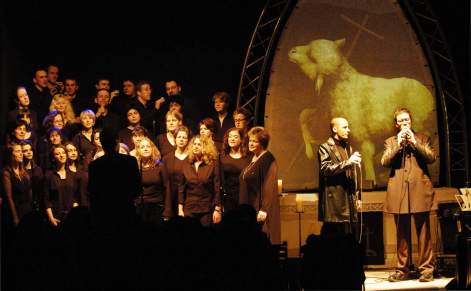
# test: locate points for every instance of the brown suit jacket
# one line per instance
(409, 182)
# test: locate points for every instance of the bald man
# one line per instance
(337, 202)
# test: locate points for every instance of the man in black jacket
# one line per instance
(337, 204)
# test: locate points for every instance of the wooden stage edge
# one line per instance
(299, 220)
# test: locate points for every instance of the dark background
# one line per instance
(201, 43)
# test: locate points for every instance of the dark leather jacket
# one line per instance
(336, 186)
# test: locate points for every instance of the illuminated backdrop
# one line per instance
(356, 59)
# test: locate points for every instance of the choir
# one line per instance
(189, 166)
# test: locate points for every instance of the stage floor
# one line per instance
(378, 280)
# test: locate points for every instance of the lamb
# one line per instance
(367, 102)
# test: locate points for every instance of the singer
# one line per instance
(410, 192)
(337, 202)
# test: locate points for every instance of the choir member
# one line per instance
(207, 128)
(166, 141)
(23, 110)
(154, 204)
(35, 173)
(133, 118)
(18, 199)
(84, 139)
(75, 165)
(61, 187)
(199, 188)
(174, 162)
(258, 184)
(52, 138)
(234, 159)
(62, 104)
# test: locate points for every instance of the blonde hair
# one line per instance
(208, 151)
(152, 160)
(68, 114)
(88, 112)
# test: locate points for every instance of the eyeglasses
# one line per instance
(238, 120)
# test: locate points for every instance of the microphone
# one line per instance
(405, 136)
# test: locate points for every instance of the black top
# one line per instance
(85, 147)
(156, 188)
(79, 103)
(36, 175)
(19, 190)
(199, 191)
(40, 101)
(120, 104)
(110, 120)
(231, 169)
(221, 129)
(61, 194)
(174, 168)
(148, 115)
(163, 144)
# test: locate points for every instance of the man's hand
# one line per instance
(261, 216)
(159, 102)
(355, 158)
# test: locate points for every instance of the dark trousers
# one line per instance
(150, 212)
(424, 242)
(205, 218)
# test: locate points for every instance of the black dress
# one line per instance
(230, 171)
(258, 187)
(155, 201)
(174, 167)
(164, 145)
(61, 194)
(21, 193)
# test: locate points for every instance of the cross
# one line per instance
(361, 28)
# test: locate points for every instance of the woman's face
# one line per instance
(20, 132)
(220, 106)
(96, 139)
(181, 140)
(172, 123)
(60, 156)
(204, 131)
(59, 104)
(27, 151)
(137, 139)
(58, 121)
(17, 153)
(55, 138)
(233, 139)
(23, 97)
(254, 145)
(134, 117)
(197, 147)
(145, 149)
(87, 121)
(72, 153)
(240, 121)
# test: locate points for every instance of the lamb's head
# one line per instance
(321, 57)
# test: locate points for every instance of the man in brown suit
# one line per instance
(410, 192)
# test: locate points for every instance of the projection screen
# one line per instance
(355, 59)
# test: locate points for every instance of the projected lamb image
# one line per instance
(366, 101)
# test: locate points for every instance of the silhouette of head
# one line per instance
(109, 140)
